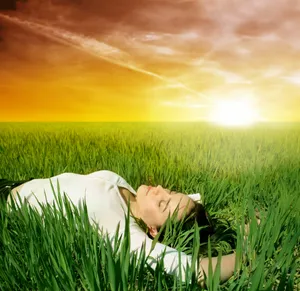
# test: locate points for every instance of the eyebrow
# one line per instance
(167, 205)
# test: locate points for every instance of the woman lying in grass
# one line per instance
(107, 196)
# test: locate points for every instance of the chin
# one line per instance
(140, 189)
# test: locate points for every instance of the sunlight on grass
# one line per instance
(236, 170)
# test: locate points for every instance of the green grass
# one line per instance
(236, 170)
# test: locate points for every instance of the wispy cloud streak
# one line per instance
(95, 48)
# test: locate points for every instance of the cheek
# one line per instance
(149, 211)
(149, 207)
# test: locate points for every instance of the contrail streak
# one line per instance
(95, 48)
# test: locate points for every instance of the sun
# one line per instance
(234, 113)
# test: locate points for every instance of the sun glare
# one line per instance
(234, 113)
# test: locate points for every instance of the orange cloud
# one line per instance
(148, 60)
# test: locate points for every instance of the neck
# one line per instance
(128, 196)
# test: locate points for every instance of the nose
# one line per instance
(156, 190)
(159, 187)
(159, 190)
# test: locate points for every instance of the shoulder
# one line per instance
(106, 175)
(113, 178)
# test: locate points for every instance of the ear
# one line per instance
(153, 231)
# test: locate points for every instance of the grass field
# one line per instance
(236, 170)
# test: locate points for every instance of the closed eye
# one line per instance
(167, 205)
(161, 202)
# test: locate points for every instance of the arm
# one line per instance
(170, 255)
(171, 258)
(227, 267)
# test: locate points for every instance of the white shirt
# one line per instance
(106, 207)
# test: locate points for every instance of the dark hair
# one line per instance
(198, 215)
(202, 218)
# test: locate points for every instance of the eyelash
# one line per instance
(159, 205)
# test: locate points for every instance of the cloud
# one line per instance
(293, 78)
(229, 77)
(164, 50)
(191, 46)
(272, 72)
(186, 103)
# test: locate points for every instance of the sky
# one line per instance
(150, 60)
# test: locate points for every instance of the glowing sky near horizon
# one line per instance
(148, 60)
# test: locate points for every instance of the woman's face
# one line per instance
(155, 204)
